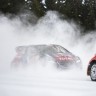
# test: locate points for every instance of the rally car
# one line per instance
(61, 57)
(91, 70)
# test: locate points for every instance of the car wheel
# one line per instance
(93, 72)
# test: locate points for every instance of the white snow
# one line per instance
(37, 80)
(43, 83)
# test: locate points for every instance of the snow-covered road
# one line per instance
(70, 83)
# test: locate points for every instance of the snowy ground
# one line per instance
(46, 83)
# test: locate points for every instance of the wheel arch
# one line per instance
(90, 65)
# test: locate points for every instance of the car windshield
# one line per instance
(60, 49)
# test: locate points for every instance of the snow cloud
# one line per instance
(50, 29)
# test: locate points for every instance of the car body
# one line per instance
(62, 57)
(91, 69)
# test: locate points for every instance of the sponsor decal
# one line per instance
(64, 58)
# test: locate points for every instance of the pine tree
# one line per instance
(90, 15)
(38, 7)
(11, 6)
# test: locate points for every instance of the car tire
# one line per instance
(93, 72)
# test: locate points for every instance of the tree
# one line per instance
(73, 8)
(89, 21)
(11, 6)
(38, 7)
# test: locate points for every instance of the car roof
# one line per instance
(40, 47)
